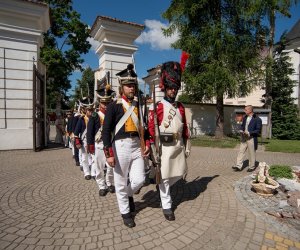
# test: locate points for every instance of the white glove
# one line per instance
(188, 148)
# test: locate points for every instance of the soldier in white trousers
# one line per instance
(80, 137)
(174, 134)
(122, 144)
(103, 173)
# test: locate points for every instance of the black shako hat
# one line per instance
(105, 94)
(84, 103)
(127, 76)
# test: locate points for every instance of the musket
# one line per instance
(157, 153)
(141, 116)
(141, 122)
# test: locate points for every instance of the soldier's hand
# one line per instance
(111, 161)
(146, 152)
(91, 148)
(77, 143)
(187, 153)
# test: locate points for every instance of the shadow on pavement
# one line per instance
(184, 191)
(180, 192)
(54, 146)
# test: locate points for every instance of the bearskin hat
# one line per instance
(170, 76)
(127, 76)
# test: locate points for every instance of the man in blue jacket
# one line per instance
(250, 130)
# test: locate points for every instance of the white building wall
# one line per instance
(201, 119)
(16, 94)
(254, 98)
(21, 27)
(295, 61)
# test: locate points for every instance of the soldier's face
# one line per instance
(129, 90)
(103, 105)
(171, 92)
(88, 112)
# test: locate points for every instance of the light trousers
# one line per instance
(99, 163)
(84, 156)
(246, 145)
(164, 190)
(129, 164)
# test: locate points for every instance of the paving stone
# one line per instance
(215, 208)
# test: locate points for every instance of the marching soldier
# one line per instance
(75, 117)
(122, 144)
(80, 137)
(95, 143)
(174, 134)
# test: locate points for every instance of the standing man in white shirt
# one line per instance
(250, 130)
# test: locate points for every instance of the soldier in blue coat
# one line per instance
(80, 137)
(95, 143)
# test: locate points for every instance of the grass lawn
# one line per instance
(285, 146)
(210, 141)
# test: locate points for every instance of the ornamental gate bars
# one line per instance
(39, 115)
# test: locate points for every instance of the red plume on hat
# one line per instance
(184, 57)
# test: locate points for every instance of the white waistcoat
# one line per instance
(173, 161)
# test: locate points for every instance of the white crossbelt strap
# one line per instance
(83, 134)
(102, 116)
(178, 114)
(129, 112)
(133, 115)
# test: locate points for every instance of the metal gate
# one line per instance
(39, 116)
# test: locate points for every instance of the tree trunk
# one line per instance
(269, 76)
(58, 104)
(219, 133)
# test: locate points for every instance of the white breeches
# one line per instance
(100, 165)
(71, 146)
(84, 159)
(164, 190)
(129, 162)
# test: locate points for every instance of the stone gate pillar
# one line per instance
(116, 46)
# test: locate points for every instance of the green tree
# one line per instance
(269, 9)
(285, 121)
(85, 85)
(223, 39)
(64, 43)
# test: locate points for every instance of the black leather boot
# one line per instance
(169, 215)
(128, 220)
(131, 204)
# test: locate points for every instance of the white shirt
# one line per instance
(247, 123)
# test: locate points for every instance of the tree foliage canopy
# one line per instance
(85, 85)
(223, 39)
(285, 121)
(64, 43)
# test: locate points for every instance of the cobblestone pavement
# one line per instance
(46, 204)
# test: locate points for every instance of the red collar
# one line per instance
(102, 110)
(126, 99)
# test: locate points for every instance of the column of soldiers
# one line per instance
(119, 146)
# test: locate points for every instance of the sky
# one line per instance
(153, 47)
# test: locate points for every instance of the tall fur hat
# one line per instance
(127, 76)
(170, 76)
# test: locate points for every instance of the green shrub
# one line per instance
(281, 171)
